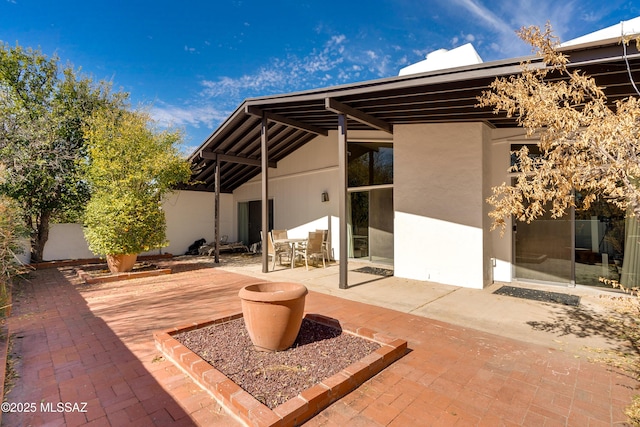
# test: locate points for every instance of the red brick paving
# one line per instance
(94, 344)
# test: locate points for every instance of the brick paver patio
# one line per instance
(93, 343)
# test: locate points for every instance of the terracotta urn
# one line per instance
(121, 263)
(273, 313)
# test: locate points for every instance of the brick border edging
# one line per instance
(301, 407)
(91, 280)
(72, 262)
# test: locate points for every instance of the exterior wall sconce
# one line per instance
(325, 197)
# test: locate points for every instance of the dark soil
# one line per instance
(274, 377)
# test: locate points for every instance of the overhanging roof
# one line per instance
(442, 96)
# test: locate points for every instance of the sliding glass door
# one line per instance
(371, 225)
(250, 221)
(599, 243)
(543, 250)
(579, 248)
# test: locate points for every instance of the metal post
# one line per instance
(342, 199)
(265, 193)
(217, 213)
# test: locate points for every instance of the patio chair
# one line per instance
(312, 249)
(325, 244)
(275, 251)
(279, 234)
(282, 248)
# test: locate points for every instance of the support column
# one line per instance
(265, 193)
(217, 212)
(342, 199)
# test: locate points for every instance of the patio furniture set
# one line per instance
(315, 246)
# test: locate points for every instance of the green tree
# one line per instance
(42, 110)
(132, 165)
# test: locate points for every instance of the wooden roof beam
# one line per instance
(357, 115)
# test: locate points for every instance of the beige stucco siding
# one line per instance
(439, 188)
(296, 186)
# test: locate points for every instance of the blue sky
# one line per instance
(193, 62)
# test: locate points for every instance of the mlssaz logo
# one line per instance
(63, 407)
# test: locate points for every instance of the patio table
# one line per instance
(292, 244)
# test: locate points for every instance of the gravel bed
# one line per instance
(274, 377)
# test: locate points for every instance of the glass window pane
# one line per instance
(543, 250)
(360, 224)
(370, 164)
(599, 244)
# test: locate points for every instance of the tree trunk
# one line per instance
(40, 236)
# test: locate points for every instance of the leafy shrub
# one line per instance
(124, 224)
(131, 167)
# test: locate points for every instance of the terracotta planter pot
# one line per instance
(121, 263)
(273, 313)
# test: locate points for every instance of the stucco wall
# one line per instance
(439, 203)
(189, 217)
(296, 186)
(66, 241)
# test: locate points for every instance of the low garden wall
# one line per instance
(189, 215)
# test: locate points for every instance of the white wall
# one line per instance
(66, 241)
(296, 186)
(439, 194)
(189, 215)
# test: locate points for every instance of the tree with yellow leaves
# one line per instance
(586, 144)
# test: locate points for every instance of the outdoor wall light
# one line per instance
(325, 197)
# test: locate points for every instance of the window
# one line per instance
(370, 163)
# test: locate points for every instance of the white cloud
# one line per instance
(503, 19)
(485, 15)
(167, 115)
(338, 39)
(284, 75)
